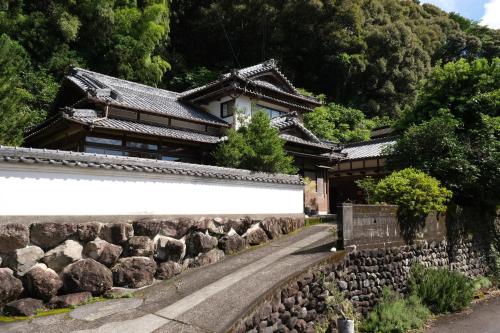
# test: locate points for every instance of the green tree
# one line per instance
(338, 123)
(255, 146)
(12, 118)
(121, 38)
(453, 131)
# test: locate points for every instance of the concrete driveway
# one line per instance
(484, 317)
(207, 299)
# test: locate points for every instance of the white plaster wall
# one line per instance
(214, 108)
(48, 190)
(244, 104)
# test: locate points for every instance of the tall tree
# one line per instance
(12, 119)
(453, 133)
(255, 146)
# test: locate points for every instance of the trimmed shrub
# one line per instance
(441, 290)
(394, 314)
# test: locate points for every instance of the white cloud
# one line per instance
(491, 16)
(446, 5)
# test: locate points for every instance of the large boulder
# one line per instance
(102, 251)
(170, 228)
(23, 307)
(198, 242)
(88, 231)
(141, 246)
(42, 282)
(63, 255)
(87, 275)
(289, 224)
(208, 258)
(169, 249)
(21, 260)
(167, 270)
(10, 286)
(272, 227)
(255, 235)
(49, 235)
(69, 300)
(232, 243)
(134, 272)
(215, 226)
(239, 225)
(13, 236)
(116, 233)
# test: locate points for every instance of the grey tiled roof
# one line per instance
(249, 72)
(296, 139)
(90, 117)
(66, 159)
(291, 120)
(138, 96)
(367, 149)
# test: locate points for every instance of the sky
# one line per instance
(487, 12)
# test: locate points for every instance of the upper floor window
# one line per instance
(272, 113)
(104, 141)
(227, 109)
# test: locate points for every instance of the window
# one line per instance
(122, 114)
(141, 145)
(272, 113)
(154, 119)
(188, 125)
(227, 109)
(170, 158)
(104, 151)
(104, 141)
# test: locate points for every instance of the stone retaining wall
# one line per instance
(299, 304)
(63, 263)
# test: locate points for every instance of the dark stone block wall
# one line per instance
(299, 304)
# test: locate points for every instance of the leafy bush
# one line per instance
(441, 290)
(394, 314)
(416, 194)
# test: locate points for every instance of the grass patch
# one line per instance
(311, 221)
(40, 313)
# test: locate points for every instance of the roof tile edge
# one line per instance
(84, 160)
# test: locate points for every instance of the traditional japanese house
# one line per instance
(361, 159)
(99, 114)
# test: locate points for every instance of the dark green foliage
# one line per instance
(120, 38)
(441, 290)
(366, 54)
(394, 314)
(453, 134)
(255, 146)
(12, 118)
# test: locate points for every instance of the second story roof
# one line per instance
(122, 93)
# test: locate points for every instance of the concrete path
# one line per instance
(206, 299)
(484, 318)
